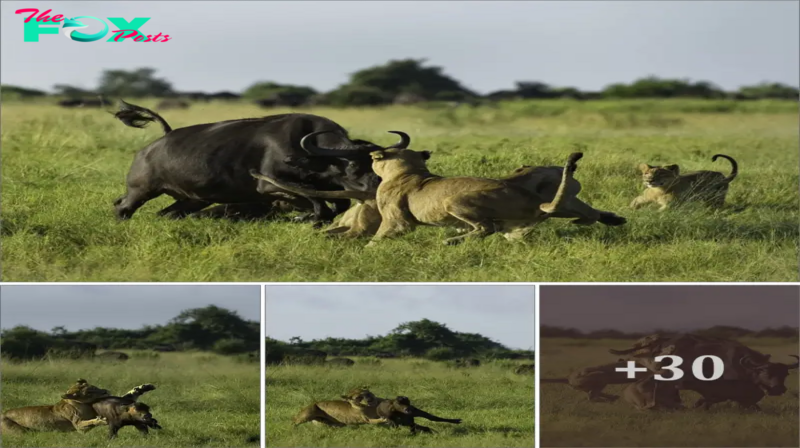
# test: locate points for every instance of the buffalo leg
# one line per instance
(248, 211)
(750, 406)
(421, 428)
(183, 207)
(417, 412)
(125, 206)
(322, 213)
(340, 206)
(113, 430)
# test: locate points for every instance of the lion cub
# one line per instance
(665, 185)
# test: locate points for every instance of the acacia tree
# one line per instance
(381, 84)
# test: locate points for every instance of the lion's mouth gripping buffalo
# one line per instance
(207, 164)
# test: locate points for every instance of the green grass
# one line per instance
(568, 419)
(200, 400)
(496, 405)
(63, 168)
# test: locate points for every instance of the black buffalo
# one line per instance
(111, 356)
(211, 163)
(224, 96)
(341, 362)
(79, 102)
(467, 362)
(172, 103)
(163, 348)
(283, 99)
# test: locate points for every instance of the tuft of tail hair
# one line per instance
(569, 169)
(139, 117)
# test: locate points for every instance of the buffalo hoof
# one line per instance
(611, 219)
(303, 218)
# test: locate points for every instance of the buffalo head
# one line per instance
(769, 376)
(358, 173)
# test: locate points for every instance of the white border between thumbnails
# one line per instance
(536, 370)
(263, 362)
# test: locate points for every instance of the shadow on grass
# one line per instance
(664, 232)
(505, 430)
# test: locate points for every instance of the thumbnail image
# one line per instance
(372, 366)
(150, 365)
(669, 366)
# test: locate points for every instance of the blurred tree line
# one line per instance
(423, 339)
(718, 331)
(207, 329)
(405, 81)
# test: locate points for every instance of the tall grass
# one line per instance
(201, 399)
(63, 168)
(496, 406)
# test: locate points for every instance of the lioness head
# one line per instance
(658, 176)
(84, 392)
(389, 162)
(361, 396)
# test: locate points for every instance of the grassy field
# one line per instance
(568, 419)
(200, 400)
(63, 168)
(496, 405)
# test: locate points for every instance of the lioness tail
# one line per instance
(569, 169)
(734, 166)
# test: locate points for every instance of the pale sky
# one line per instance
(118, 306)
(503, 313)
(678, 308)
(487, 45)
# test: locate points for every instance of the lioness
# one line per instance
(351, 410)
(410, 195)
(666, 186)
(364, 219)
(73, 413)
(593, 380)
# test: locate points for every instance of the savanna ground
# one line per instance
(496, 406)
(569, 419)
(63, 168)
(201, 399)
